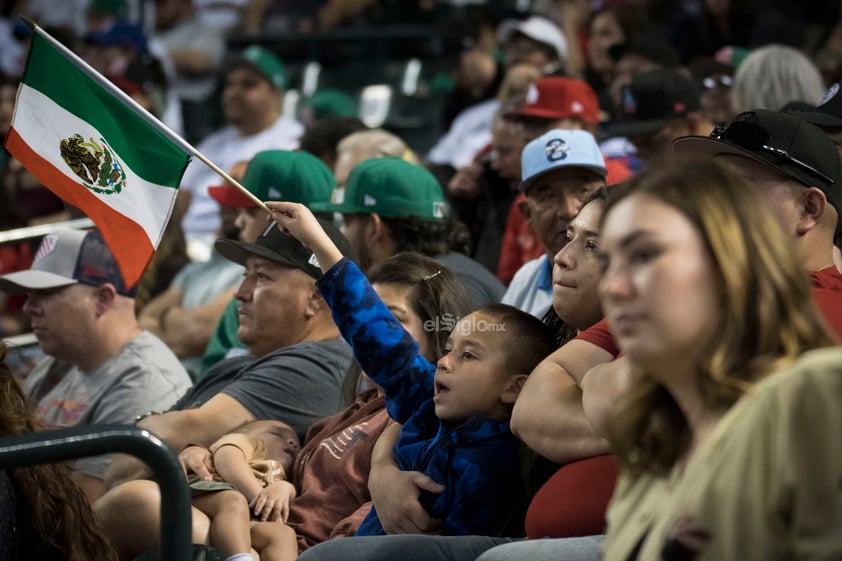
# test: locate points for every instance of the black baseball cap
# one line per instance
(651, 46)
(784, 142)
(653, 99)
(283, 249)
(828, 113)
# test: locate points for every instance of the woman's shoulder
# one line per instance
(818, 371)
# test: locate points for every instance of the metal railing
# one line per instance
(79, 442)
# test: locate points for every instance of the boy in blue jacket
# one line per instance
(455, 414)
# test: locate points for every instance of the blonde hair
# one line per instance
(768, 317)
(376, 143)
(772, 76)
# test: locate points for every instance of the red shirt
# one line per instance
(331, 472)
(827, 294)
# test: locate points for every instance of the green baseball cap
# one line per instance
(326, 103)
(280, 175)
(388, 187)
(268, 64)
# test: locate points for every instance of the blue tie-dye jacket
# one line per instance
(477, 460)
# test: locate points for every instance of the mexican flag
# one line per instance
(96, 151)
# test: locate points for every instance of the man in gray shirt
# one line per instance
(101, 367)
(298, 358)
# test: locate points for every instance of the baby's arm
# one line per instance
(231, 465)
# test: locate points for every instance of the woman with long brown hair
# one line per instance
(728, 439)
(45, 516)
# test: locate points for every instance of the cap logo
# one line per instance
(678, 107)
(532, 95)
(314, 261)
(337, 197)
(368, 200)
(47, 246)
(577, 107)
(834, 89)
(91, 272)
(629, 102)
(438, 209)
(274, 194)
(556, 149)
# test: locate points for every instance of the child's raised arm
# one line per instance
(297, 220)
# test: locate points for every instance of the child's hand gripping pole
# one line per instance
(298, 221)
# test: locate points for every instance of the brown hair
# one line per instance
(767, 313)
(529, 340)
(59, 509)
(435, 294)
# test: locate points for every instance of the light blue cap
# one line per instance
(560, 149)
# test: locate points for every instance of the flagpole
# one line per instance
(153, 121)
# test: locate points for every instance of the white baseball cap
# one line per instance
(560, 149)
(538, 29)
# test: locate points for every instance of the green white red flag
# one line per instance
(92, 146)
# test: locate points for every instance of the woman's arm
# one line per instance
(548, 414)
(395, 492)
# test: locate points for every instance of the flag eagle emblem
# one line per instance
(94, 163)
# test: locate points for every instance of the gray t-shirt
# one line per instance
(297, 385)
(142, 376)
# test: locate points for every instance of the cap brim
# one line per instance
(636, 128)
(239, 252)
(230, 196)
(704, 148)
(538, 112)
(21, 281)
(820, 119)
(524, 185)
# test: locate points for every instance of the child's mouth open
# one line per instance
(439, 390)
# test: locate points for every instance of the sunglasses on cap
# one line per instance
(752, 137)
(717, 80)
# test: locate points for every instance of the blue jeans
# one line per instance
(415, 547)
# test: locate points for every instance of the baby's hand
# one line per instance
(272, 503)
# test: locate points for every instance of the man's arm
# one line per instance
(185, 330)
(202, 425)
(548, 414)
(150, 316)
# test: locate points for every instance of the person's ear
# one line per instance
(513, 387)
(812, 204)
(374, 228)
(525, 210)
(315, 302)
(104, 296)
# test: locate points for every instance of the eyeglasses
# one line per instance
(752, 137)
(723, 80)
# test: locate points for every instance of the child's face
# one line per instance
(280, 440)
(472, 375)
